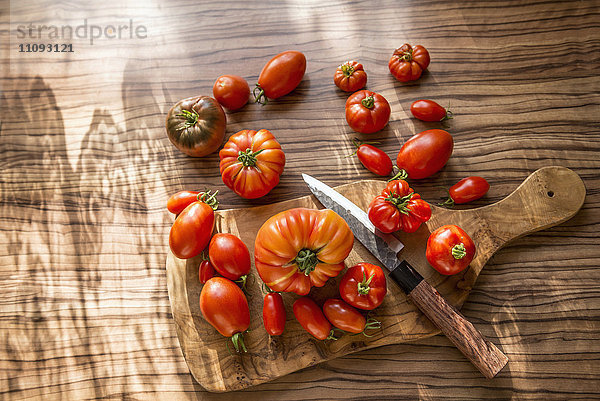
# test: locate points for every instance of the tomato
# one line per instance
(193, 227)
(449, 249)
(179, 201)
(312, 319)
(344, 316)
(206, 271)
(251, 163)
(428, 110)
(374, 159)
(398, 208)
(225, 307)
(467, 190)
(229, 256)
(350, 76)
(367, 112)
(363, 286)
(196, 125)
(281, 75)
(231, 91)
(300, 248)
(274, 314)
(425, 153)
(408, 62)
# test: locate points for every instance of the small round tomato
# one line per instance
(281, 75)
(225, 307)
(398, 208)
(251, 163)
(196, 126)
(231, 91)
(193, 227)
(425, 153)
(467, 190)
(408, 62)
(179, 201)
(350, 76)
(229, 256)
(367, 112)
(430, 111)
(374, 159)
(364, 286)
(344, 316)
(274, 314)
(312, 319)
(449, 249)
(206, 271)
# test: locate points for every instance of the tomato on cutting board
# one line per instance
(467, 190)
(311, 318)
(229, 256)
(274, 314)
(449, 249)
(364, 286)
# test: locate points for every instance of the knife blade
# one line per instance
(482, 353)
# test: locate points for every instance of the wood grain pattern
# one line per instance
(86, 168)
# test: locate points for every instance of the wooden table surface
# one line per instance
(86, 169)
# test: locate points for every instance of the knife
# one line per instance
(483, 354)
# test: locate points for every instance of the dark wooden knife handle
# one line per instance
(482, 353)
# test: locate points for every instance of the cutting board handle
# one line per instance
(549, 196)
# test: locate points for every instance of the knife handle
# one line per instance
(482, 353)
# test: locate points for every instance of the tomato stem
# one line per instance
(209, 199)
(406, 56)
(368, 102)
(372, 324)
(400, 201)
(261, 97)
(347, 69)
(363, 287)
(332, 336)
(191, 118)
(248, 157)
(242, 281)
(400, 175)
(307, 261)
(238, 342)
(459, 251)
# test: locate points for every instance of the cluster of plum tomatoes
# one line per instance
(301, 248)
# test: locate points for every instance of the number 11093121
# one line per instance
(50, 48)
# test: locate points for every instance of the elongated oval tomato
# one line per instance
(425, 153)
(229, 256)
(281, 75)
(274, 314)
(301, 248)
(191, 230)
(251, 163)
(231, 91)
(367, 112)
(467, 190)
(430, 111)
(225, 307)
(350, 76)
(398, 208)
(196, 126)
(374, 159)
(344, 316)
(408, 62)
(311, 318)
(364, 286)
(206, 271)
(449, 249)
(179, 201)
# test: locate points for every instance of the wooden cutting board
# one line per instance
(546, 198)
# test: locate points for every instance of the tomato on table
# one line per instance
(430, 111)
(180, 200)
(191, 231)
(425, 153)
(229, 256)
(225, 307)
(231, 91)
(281, 75)
(367, 112)
(274, 314)
(374, 159)
(398, 208)
(311, 318)
(364, 286)
(196, 125)
(301, 248)
(408, 62)
(467, 190)
(449, 249)
(350, 76)
(251, 163)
